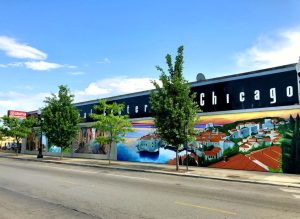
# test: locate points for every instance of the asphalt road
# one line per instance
(41, 190)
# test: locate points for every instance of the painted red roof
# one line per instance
(238, 162)
(269, 156)
(210, 136)
(212, 152)
(215, 138)
(246, 145)
(149, 136)
(252, 139)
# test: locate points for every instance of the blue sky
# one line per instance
(105, 48)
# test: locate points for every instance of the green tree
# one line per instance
(290, 144)
(1, 135)
(61, 118)
(110, 123)
(191, 161)
(173, 106)
(17, 128)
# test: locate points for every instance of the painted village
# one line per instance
(248, 145)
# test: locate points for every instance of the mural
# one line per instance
(33, 141)
(259, 141)
(85, 142)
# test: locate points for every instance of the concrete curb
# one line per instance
(290, 185)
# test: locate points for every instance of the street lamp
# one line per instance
(41, 120)
(186, 148)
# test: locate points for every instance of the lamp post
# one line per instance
(40, 154)
(186, 148)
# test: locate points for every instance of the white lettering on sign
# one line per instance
(273, 95)
(17, 114)
(214, 98)
(289, 91)
(256, 95)
(242, 96)
(201, 99)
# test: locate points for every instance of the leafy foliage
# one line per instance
(61, 118)
(290, 144)
(206, 162)
(17, 128)
(1, 135)
(229, 152)
(191, 161)
(110, 123)
(173, 106)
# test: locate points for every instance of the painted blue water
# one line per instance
(202, 126)
(126, 153)
(143, 126)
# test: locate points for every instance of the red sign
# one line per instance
(17, 114)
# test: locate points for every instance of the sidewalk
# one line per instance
(277, 179)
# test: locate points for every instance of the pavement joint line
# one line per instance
(81, 171)
(206, 208)
(130, 177)
(290, 190)
(65, 181)
(289, 185)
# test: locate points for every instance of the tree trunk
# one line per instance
(177, 164)
(17, 147)
(61, 153)
(109, 150)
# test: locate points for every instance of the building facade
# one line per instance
(240, 125)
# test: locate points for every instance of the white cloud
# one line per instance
(15, 49)
(77, 73)
(37, 65)
(11, 94)
(15, 64)
(24, 87)
(280, 49)
(42, 65)
(18, 101)
(94, 89)
(104, 61)
(99, 89)
(7, 104)
(35, 58)
(70, 66)
(12, 64)
(113, 86)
